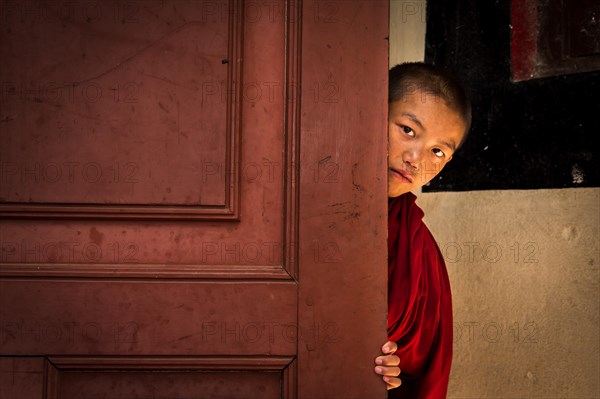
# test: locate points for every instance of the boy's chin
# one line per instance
(396, 191)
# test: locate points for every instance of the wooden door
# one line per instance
(193, 199)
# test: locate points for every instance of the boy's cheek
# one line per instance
(430, 171)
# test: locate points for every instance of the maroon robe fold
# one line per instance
(419, 303)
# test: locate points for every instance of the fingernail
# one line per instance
(378, 361)
(378, 369)
(386, 379)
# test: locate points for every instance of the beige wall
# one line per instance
(407, 31)
(523, 265)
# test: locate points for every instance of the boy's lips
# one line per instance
(405, 176)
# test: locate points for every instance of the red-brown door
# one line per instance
(193, 199)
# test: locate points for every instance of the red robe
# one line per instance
(419, 303)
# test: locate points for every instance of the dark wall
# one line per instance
(539, 133)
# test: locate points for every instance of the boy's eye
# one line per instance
(438, 153)
(407, 130)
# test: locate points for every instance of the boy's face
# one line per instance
(423, 133)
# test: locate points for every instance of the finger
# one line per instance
(388, 360)
(388, 371)
(389, 347)
(392, 382)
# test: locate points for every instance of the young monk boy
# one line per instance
(429, 117)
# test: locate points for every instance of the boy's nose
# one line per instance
(411, 165)
(413, 159)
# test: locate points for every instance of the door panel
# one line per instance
(193, 193)
(124, 108)
(344, 133)
(22, 377)
(81, 317)
(179, 378)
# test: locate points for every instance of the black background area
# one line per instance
(540, 133)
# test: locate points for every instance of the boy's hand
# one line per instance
(387, 365)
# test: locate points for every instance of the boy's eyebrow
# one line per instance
(450, 144)
(414, 119)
